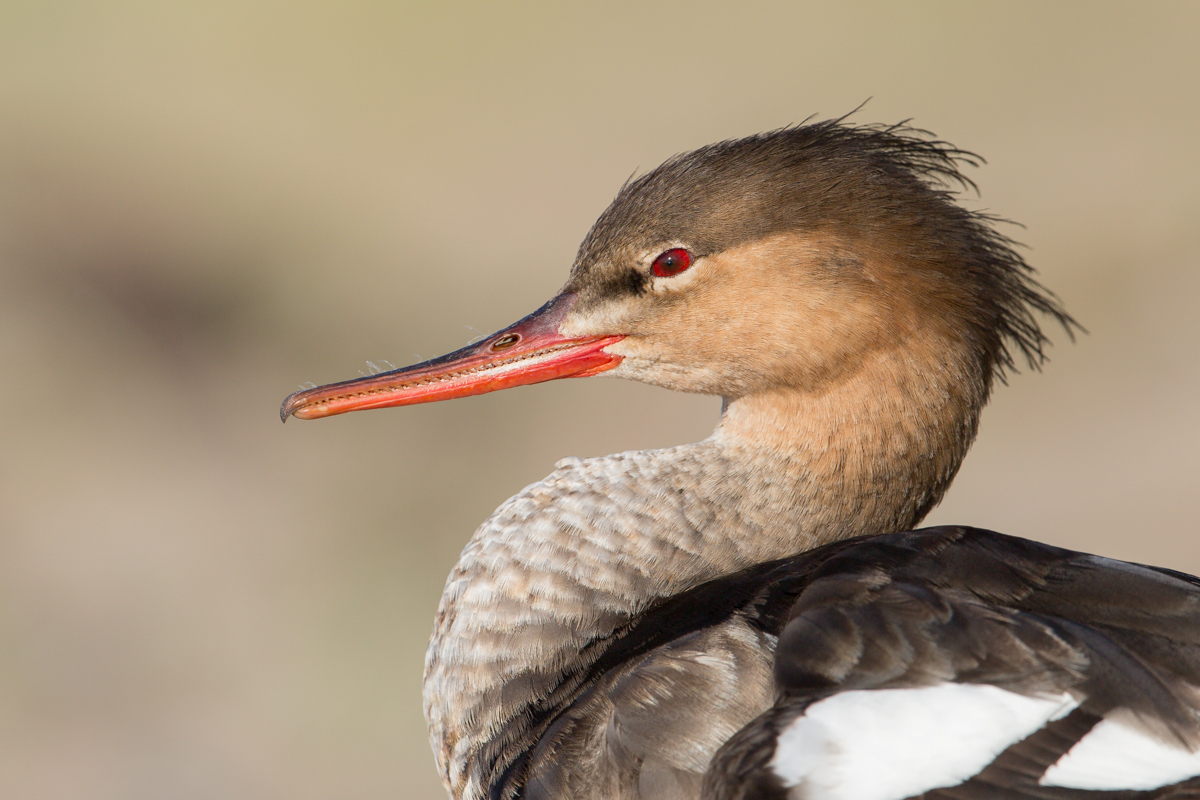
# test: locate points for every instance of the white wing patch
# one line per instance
(1116, 756)
(888, 744)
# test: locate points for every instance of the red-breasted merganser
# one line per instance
(752, 616)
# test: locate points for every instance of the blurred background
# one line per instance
(204, 205)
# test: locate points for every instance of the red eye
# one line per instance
(672, 262)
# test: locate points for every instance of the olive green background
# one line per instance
(202, 207)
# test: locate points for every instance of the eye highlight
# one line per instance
(672, 262)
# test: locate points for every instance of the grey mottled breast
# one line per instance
(628, 685)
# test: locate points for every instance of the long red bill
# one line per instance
(531, 351)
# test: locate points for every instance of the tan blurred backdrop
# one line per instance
(202, 208)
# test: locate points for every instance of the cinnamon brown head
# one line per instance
(827, 240)
(785, 260)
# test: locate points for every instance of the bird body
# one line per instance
(751, 616)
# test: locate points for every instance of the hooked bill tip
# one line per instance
(286, 409)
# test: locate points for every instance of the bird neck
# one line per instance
(570, 560)
(871, 452)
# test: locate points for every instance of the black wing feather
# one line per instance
(650, 702)
(971, 606)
